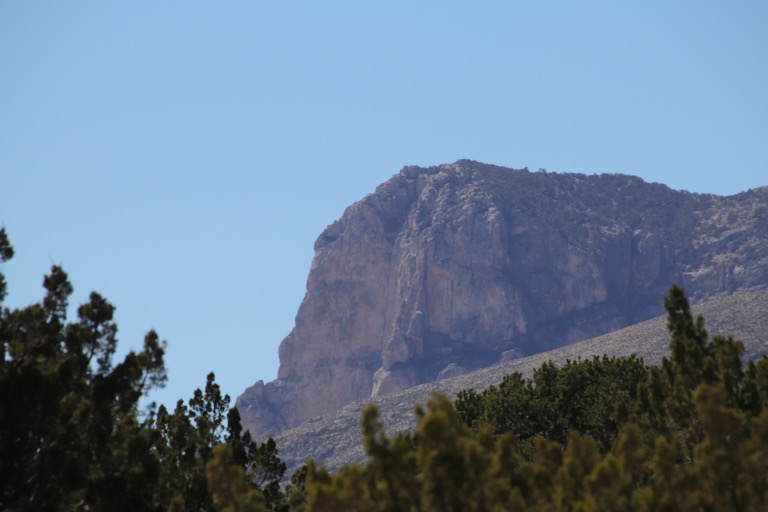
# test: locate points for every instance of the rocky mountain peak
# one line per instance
(452, 268)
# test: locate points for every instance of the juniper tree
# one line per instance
(70, 433)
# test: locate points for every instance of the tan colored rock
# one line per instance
(462, 263)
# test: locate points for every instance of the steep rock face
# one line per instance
(452, 268)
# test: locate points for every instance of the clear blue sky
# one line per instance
(181, 157)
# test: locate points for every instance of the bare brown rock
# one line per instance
(453, 268)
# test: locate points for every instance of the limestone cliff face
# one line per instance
(452, 268)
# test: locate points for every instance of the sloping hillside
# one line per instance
(333, 439)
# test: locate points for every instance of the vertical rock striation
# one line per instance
(452, 268)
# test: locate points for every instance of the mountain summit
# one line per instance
(447, 269)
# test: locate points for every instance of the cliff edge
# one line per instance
(448, 269)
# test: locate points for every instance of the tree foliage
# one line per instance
(595, 434)
(69, 425)
(72, 436)
(590, 396)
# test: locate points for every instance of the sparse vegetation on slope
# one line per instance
(589, 208)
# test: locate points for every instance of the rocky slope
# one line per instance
(448, 269)
(334, 438)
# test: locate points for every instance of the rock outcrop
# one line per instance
(448, 269)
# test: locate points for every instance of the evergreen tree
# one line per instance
(230, 489)
(188, 439)
(600, 434)
(70, 433)
(72, 437)
(596, 434)
(592, 396)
